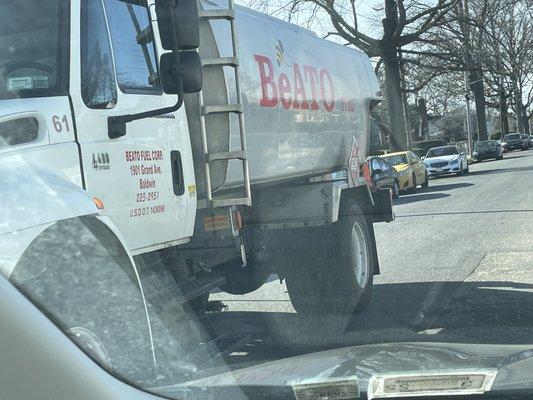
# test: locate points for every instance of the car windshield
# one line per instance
(484, 145)
(513, 136)
(202, 200)
(442, 151)
(396, 160)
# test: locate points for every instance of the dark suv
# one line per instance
(514, 141)
(486, 150)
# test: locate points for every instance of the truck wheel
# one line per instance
(335, 275)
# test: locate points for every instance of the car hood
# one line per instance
(443, 158)
(508, 367)
(401, 167)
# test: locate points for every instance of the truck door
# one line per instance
(139, 177)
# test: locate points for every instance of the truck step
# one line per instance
(228, 15)
(180, 293)
(231, 155)
(214, 350)
(239, 201)
(220, 62)
(223, 109)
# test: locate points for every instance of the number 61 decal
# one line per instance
(60, 123)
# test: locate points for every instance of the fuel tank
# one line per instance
(305, 99)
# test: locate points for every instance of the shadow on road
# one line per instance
(406, 199)
(447, 186)
(473, 312)
(501, 170)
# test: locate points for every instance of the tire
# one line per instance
(425, 185)
(334, 274)
(415, 184)
(396, 190)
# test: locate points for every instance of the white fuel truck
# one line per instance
(103, 125)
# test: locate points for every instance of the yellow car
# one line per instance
(410, 169)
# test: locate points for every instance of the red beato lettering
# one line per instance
(329, 106)
(299, 90)
(284, 89)
(267, 81)
(311, 75)
(293, 94)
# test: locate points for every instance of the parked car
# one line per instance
(530, 141)
(514, 141)
(525, 138)
(384, 176)
(486, 150)
(446, 160)
(410, 168)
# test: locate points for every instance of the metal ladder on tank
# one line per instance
(205, 111)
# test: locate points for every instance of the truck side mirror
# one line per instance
(183, 76)
(192, 73)
(178, 22)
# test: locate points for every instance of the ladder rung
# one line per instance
(218, 14)
(223, 62)
(224, 109)
(242, 201)
(231, 155)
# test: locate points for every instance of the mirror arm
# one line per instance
(117, 125)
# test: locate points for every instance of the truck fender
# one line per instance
(34, 199)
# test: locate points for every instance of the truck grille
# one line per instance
(439, 164)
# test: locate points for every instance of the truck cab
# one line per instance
(63, 76)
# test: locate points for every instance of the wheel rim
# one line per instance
(360, 255)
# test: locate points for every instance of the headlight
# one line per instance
(456, 161)
(403, 173)
(474, 153)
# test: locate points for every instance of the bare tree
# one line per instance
(404, 23)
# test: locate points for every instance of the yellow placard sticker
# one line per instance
(216, 223)
(192, 190)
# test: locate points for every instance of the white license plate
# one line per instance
(439, 170)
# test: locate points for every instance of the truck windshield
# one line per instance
(31, 48)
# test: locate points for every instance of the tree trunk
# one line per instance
(424, 119)
(478, 89)
(504, 114)
(525, 121)
(397, 131)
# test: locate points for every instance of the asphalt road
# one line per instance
(456, 266)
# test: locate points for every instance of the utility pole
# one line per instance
(502, 105)
(468, 124)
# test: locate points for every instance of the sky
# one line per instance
(368, 17)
